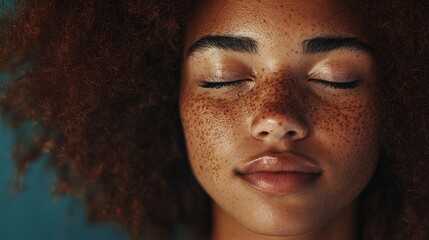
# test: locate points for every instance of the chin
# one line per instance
(282, 227)
(284, 230)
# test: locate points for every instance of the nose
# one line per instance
(278, 127)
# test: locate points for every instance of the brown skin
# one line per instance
(104, 86)
(228, 126)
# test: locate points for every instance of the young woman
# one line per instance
(229, 119)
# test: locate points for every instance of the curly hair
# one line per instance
(103, 82)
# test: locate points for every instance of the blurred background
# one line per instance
(33, 212)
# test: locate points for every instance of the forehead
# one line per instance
(265, 20)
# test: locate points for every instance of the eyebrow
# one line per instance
(327, 44)
(226, 42)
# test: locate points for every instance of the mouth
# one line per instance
(279, 175)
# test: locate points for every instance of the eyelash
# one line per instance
(338, 85)
(218, 85)
(334, 85)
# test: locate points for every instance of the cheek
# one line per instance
(349, 137)
(209, 127)
(353, 126)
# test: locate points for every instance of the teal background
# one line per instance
(34, 213)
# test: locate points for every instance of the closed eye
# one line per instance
(338, 85)
(218, 85)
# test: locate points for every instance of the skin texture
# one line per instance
(278, 109)
(103, 91)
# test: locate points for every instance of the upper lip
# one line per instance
(283, 162)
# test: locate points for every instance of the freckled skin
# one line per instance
(224, 128)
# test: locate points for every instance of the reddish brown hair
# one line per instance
(103, 84)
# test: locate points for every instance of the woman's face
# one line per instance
(278, 109)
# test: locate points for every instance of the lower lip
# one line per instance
(279, 183)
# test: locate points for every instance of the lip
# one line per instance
(279, 174)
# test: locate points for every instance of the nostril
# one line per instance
(291, 133)
(276, 126)
(263, 134)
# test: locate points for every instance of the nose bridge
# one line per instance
(282, 95)
(282, 111)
